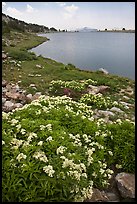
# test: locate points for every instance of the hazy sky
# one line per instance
(73, 15)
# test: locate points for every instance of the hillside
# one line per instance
(66, 133)
(12, 24)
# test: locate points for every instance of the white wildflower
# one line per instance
(40, 143)
(49, 139)
(14, 121)
(61, 149)
(49, 127)
(49, 170)
(5, 115)
(84, 175)
(42, 127)
(21, 156)
(41, 156)
(118, 166)
(18, 126)
(23, 131)
(110, 153)
(3, 142)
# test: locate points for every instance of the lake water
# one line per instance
(114, 52)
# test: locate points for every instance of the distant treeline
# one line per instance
(9, 23)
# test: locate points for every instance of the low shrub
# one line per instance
(96, 101)
(54, 150)
(47, 156)
(22, 55)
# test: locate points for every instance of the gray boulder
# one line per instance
(115, 109)
(126, 184)
(103, 70)
(9, 105)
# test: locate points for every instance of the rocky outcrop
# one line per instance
(97, 89)
(115, 109)
(4, 56)
(126, 184)
(14, 97)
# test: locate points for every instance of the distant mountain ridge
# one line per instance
(9, 23)
(86, 29)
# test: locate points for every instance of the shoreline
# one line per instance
(80, 69)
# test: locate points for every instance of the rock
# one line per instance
(29, 96)
(127, 98)
(9, 105)
(31, 75)
(98, 196)
(92, 89)
(129, 88)
(103, 70)
(106, 113)
(37, 95)
(112, 197)
(38, 66)
(97, 89)
(32, 85)
(4, 90)
(4, 83)
(115, 109)
(38, 75)
(3, 100)
(125, 104)
(18, 105)
(126, 184)
(12, 95)
(4, 56)
(103, 89)
(16, 87)
(130, 93)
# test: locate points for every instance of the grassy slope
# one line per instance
(52, 70)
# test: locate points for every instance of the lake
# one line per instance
(112, 51)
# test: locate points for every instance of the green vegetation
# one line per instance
(12, 24)
(54, 149)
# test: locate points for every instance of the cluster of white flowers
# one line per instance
(118, 121)
(23, 131)
(21, 156)
(76, 138)
(115, 103)
(49, 139)
(75, 85)
(86, 138)
(90, 159)
(74, 174)
(16, 143)
(41, 156)
(40, 143)
(109, 173)
(42, 127)
(110, 153)
(14, 121)
(5, 115)
(118, 166)
(18, 127)
(3, 142)
(31, 136)
(49, 170)
(87, 192)
(61, 149)
(49, 127)
(38, 112)
(55, 102)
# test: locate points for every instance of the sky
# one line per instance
(74, 15)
